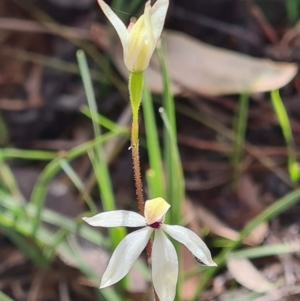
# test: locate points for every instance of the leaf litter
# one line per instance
(208, 72)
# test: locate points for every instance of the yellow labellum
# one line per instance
(155, 210)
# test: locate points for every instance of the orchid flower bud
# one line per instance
(139, 40)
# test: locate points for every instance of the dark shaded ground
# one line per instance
(40, 110)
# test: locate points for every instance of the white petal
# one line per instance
(164, 267)
(118, 218)
(116, 22)
(158, 15)
(135, 44)
(192, 241)
(126, 253)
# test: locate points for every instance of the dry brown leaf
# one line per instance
(258, 234)
(244, 272)
(211, 71)
(248, 192)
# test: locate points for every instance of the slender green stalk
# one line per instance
(263, 251)
(58, 238)
(97, 157)
(177, 189)
(89, 90)
(8, 181)
(174, 176)
(283, 118)
(293, 8)
(102, 120)
(178, 185)
(155, 175)
(70, 172)
(4, 297)
(174, 180)
(39, 155)
(239, 129)
(136, 84)
(4, 133)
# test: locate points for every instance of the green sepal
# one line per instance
(135, 86)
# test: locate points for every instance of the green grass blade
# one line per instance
(177, 188)
(53, 242)
(239, 128)
(156, 185)
(283, 118)
(263, 251)
(39, 155)
(178, 179)
(174, 174)
(24, 213)
(17, 217)
(168, 99)
(41, 186)
(103, 121)
(4, 297)
(70, 172)
(58, 238)
(97, 155)
(8, 181)
(4, 133)
(293, 10)
(89, 91)
(108, 202)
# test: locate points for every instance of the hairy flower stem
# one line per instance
(135, 86)
(137, 174)
(136, 83)
(136, 163)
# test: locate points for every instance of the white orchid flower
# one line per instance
(164, 257)
(139, 40)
